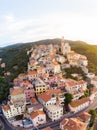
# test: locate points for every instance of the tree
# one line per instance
(87, 93)
(92, 112)
(93, 115)
(68, 98)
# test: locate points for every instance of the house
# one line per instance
(46, 99)
(73, 58)
(72, 124)
(54, 112)
(90, 75)
(41, 70)
(22, 76)
(60, 59)
(34, 107)
(56, 67)
(79, 105)
(39, 86)
(38, 118)
(84, 117)
(94, 81)
(28, 89)
(33, 101)
(50, 97)
(76, 88)
(83, 61)
(18, 97)
(10, 110)
(32, 75)
(94, 92)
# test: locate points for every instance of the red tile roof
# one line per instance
(79, 102)
(35, 114)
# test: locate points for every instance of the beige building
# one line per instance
(54, 112)
(18, 97)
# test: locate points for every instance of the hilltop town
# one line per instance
(45, 93)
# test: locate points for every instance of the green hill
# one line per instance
(16, 59)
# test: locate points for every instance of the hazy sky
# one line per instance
(33, 20)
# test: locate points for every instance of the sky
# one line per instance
(32, 20)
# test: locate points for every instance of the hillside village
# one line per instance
(38, 96)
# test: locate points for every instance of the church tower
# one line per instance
(65, 47)
(62, 45)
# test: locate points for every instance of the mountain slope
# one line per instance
(16, 59)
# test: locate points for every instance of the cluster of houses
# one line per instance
(39, 94)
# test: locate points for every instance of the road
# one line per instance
(93, 105)
(54, 124)
(6, 125)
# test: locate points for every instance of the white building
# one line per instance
(54, 112)
(38, 118)
(79, 105)
(12, 111)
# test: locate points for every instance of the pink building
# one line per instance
(28, 89)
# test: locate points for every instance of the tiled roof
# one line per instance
(45, 97)
(35, 114)
(84, 116)
(79, 102)
(32, 72)
(53, 91)
(33, 100)
(17, 91)
(6, 107)
(55, 63)
(74, 124)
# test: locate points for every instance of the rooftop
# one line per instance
(35, 114)
(79, 102)
(73, 124)
(16, 91)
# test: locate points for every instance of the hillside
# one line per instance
(16, 59)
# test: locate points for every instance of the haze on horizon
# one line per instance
(33, 20)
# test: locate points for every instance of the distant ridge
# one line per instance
(16, 54)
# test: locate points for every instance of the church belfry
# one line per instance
(65, 47)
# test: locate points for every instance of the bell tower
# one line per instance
(62, 45)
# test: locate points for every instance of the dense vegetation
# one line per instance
(16, 59)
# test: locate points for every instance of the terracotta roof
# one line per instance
(79, 102)
(74, 124)
(33, 100)
(47, 128)
(45, 97)
(45, 75)
(55, 63)
(53, 91)
(17, 91)
(6, 107)
(26, 83)
(32, 72)
(84, 116)
(35, 114)
(81, 82)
